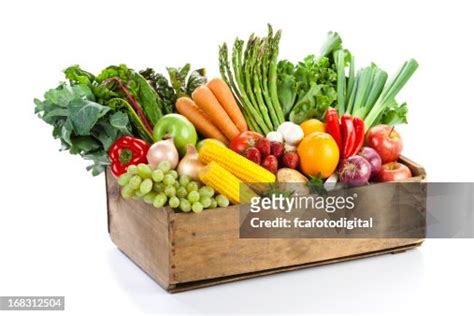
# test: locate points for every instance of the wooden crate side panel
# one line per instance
(140, 231)
(208, 245)
(200, 252)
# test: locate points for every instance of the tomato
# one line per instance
(318, 154)
(244, 140)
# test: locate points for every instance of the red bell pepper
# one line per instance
(333, 127)
(348, 135)
(126, 151)
(359, 129)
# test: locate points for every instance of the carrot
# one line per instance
(200, 120)
(206, 100)
(225, 97)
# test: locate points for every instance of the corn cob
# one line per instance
(239, 166)
(226, 183)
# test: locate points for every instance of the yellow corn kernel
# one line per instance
(225, 183)
(239, 166)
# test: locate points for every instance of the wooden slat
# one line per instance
(140, 231)
(186, 286)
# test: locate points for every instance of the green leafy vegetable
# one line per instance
(83, 126)
(183, 83)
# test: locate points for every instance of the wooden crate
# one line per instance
(183, 251)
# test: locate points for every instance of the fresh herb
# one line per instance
(316, 185)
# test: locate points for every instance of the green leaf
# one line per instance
(83, 144)
(316, 185)
(395, 114)
(84, 114)
(120, 121)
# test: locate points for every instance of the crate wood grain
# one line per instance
(183, 251)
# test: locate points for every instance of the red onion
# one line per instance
(374, 159)
(355, 171)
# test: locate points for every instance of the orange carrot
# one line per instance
(225, 97)
(200, 120)
(206, 100)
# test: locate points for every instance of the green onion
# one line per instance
(390, 91)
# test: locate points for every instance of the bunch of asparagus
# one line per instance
(253, 79)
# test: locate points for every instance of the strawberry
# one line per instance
(291, 160)
(263, 145)
(277, 149)
(270, 163)
(253, 154)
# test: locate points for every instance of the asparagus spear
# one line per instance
(249, 61)
(258, 85)
(236, 64)
(257, 91)
(273, 77)
(228, 77)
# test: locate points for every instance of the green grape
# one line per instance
(222, 201)
(144, 171)
(181, 192)
(174, 202)
(170, 190)
(213, 203)
(132, 169)
(206, 191)
(164, 166)
(174, 174)
(127, 192)
(193, 196)
(139, 194)
(149, 197)
(135, 182)
(158, 187)
(197, 207)
(146, 186)
(157, 175)
(205, 201)
(124, 178)
(184, 205)
(184, 180)
(169, 180)
(160, 200)
(192, 186)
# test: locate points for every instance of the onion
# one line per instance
(190, 165)
(355, 171)
(164, 150)
(374, 159)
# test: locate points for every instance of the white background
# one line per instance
(53, 234)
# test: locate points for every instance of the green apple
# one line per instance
(178, 127)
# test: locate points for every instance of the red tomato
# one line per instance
(244, 140)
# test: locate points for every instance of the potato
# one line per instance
(285, 175)
(292, 180)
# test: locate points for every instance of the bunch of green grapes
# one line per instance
(163, 186)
